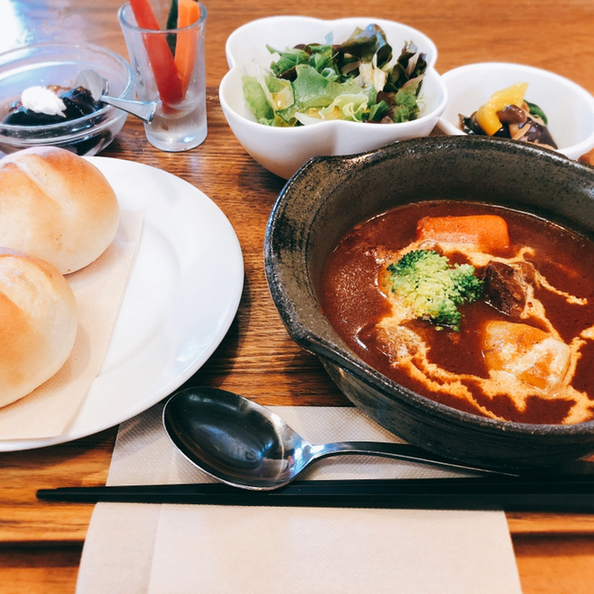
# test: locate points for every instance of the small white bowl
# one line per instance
(284, 150)
(568, 107)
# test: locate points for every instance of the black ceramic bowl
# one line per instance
(329, 195)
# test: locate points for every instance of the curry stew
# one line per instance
(523, 351)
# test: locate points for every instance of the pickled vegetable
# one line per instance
(486, 115)
(508, 115)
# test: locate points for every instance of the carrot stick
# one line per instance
(488, 232)
(160, 57)
(188, 12)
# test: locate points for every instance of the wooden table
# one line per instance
(40, 544)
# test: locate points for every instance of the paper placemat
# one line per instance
(161, 549)
(99, 289)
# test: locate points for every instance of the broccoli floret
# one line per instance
(433, 289)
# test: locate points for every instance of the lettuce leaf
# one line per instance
(368, 43)
(348, 107)
(257, 100)
(320, 57)
(406, 105)
(358, 80)
(379, 111)
(312, 89)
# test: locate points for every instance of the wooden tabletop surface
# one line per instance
(40, 544)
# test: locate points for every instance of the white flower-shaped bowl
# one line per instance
(284, 150)
(568, 107)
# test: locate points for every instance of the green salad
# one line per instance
(357, 80)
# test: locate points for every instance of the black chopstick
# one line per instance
(542, 493)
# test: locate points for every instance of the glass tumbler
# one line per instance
(169, 67)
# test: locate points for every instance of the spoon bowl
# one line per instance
(246, 445)
(99, 89)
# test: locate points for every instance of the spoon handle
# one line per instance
(144, 110)
(400, 451)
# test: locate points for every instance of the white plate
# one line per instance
(182, 296)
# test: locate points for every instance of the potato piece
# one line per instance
(531, 355)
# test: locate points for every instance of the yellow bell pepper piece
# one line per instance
(486, 115)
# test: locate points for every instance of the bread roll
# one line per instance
(38, 322)
(57, 206)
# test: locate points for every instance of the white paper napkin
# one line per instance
(164, 549)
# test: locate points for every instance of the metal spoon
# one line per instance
(99, 87)
(246, 445)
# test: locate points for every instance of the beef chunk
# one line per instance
(506, 286)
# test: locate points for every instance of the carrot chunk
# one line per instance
(487, 232)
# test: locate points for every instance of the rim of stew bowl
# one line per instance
(309, 218)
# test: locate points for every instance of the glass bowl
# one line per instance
(59, 64)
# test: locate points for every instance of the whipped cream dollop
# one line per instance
(43, 100)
